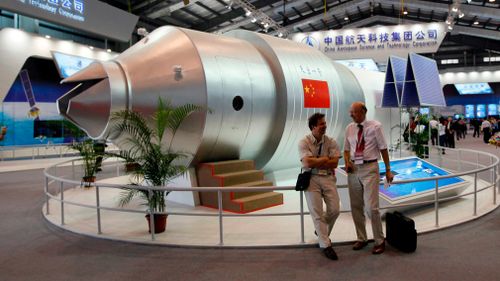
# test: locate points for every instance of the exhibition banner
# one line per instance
(87, 15)
(377, 43)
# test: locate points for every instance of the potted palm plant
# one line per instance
(148, 147)
(89, 158)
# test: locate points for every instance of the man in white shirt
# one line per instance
(363, 144)
(434, 130)
(486, 129)
(321, 154)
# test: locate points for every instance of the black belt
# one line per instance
(319, 172)
(367, 161)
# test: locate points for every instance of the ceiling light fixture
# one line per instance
(461, 15)
(454, 9)
(346, 18)
(256, 16)
(47, 36)
(476, 22)
(108, 50)
(405, 12)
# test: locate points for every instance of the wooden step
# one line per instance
(241, 177)
(224, 167)
(240, 194)
(259, 201)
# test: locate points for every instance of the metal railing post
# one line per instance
(436, 204)
(151, 216)
(62, 202)
(302, 239)
(475, 194)
(494, 185)
(440, 156)
(47, 198)
(221, 228)
(73, 169)
(460, 160)
(98, 208)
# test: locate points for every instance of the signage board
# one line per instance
(377, 43)
(87, 15)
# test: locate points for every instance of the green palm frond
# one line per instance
(147, 147)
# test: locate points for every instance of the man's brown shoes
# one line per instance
(379, 249)
(359, 245)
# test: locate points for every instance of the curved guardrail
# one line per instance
(64, 181)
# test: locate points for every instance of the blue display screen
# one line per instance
(424, 110)
(473, 88)
(70, 64)
(414, 168)
(469, 111)
(480, 111)
(492, 109)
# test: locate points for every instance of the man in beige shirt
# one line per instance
(363, 144)
(320, 154)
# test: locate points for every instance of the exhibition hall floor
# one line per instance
(237, 231)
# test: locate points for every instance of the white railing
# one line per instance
(52, 177)
(36, 151)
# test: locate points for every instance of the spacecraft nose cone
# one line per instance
(88, 105)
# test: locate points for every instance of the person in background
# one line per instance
(434, 130)
(363, 144)
(450, 133)
(477, 125)
(494, 125)
(486, 129)
(442, 133)
(458, 125)
(321, 154)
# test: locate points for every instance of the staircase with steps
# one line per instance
(236, 173)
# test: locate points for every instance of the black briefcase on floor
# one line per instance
(401, 233)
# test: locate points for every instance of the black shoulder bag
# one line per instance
(304, 177)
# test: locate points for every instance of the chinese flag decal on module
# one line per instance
(316, 94)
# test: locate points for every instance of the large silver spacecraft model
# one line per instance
(260, 90)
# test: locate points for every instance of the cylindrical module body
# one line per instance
(253, 85)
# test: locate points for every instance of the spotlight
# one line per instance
(108, 50)
(280, 35)
(454, 9)
(405, 12)
(91, 47)
(266, 25)
(47, 36)
(248, 13)
(346, 18)
(476, 22)
(491, 1)
(461, 15)
(254, 20)
(450, 27)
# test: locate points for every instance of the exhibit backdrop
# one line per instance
(29, 111)
(32, 68)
